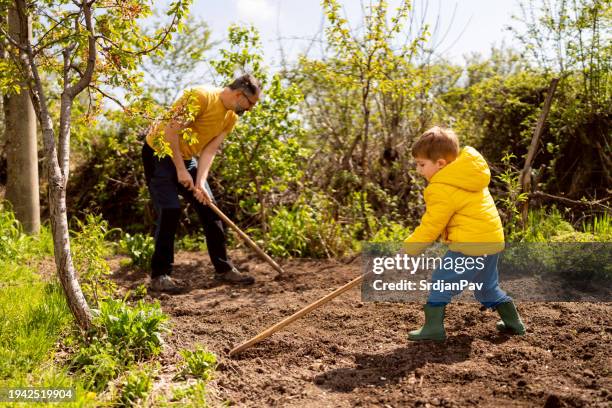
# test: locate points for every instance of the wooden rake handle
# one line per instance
(246, 239)
(287, 321)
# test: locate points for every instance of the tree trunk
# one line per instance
(57, 185)
(61, 241)
(59, 221)
(21, 147)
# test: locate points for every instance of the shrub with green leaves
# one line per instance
(17, 246)
(139, 247)
(137, 329)
(90, 249)
(98, 363)
(193, 242)
(11, 236)
(543, 225)
(136, 386)
(123, 334)
(309, 228)
(198, 363)
(513, 198)
(391, 232)
(288, 231)
(262, 160)
(600, 226)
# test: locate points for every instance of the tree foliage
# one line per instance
(324, 159)
(79, 46)
(498, 108)
(362, 102)
(262, 157)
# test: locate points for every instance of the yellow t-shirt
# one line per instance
(205, 115)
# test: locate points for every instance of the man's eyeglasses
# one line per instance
(251, 103)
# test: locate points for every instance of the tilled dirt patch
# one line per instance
(350, 353)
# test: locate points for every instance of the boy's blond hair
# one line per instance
(437, 143)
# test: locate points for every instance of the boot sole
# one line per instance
(244, 282)
(436, 339)
(506, 330)
(174, 291)
(511, 332)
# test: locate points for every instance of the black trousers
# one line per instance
(164, 188)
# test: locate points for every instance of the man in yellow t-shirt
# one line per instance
(198, 123)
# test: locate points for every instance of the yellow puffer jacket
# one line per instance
(460, 208)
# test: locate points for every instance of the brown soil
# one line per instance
(350, 353)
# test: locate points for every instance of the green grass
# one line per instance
(34, 316)
(33, 313)
(543, 224)
(600, 225)
(29, 329)
(549, 224)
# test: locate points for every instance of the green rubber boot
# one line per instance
(433, 329)
(511, 322)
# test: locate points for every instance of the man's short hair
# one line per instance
(246, 83)
(437, 143)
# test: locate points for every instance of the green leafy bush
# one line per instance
(15, 245)
(391, 232)
(122, 335)
(263, 158)
(90, 248)
(192, 242)
(139, 247)
(600, 227)
(136, 386)
(98, 363)
(109, 179)
(544, 225)
(11, 237)
(288, 231)
(198, 363)
(309, 228)
(136, 329)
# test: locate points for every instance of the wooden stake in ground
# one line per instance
(525, 176)
(246, 239)
(287, 321)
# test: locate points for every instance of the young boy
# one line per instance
(459, 208)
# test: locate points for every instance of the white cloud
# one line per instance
(255, 10)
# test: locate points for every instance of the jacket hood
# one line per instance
(469, 171)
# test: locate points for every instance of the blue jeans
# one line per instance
(490, 294)
(164, 188)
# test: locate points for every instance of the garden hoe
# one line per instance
(287, 321)
(246, 238)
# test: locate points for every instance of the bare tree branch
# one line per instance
(39, 45)
(91, 57)
(12, 41)
(596, 203)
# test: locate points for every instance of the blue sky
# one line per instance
(473, 25)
